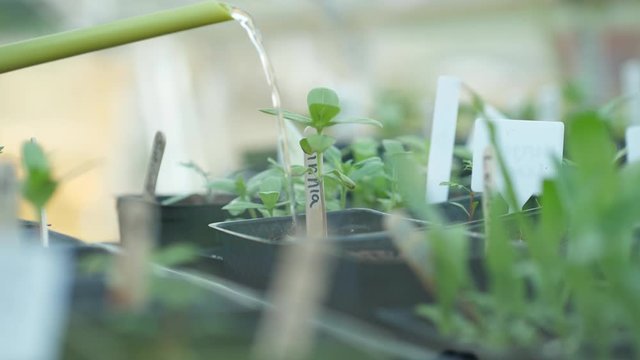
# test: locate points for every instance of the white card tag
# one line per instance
(529, 148)
(633, 143)
(631, 89)
(33, 306)
(443, 133)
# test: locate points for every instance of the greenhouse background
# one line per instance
(97, 113)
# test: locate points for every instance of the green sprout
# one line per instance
(39, 184)
(324, 106)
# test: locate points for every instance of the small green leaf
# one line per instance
(33, 157)
(343, 179)
(316, 143)
(333, 156)
(241, 188)
(324, 105)
(197, 169)
(1, 148)
(241, 205)
(175, 255)
(363, 121)
(271, 184)
(298, 170)
(269, 198)
(224, 185)
(392, 147)
(39, 185)
(302, 119)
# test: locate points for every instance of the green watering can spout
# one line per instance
(48, 48)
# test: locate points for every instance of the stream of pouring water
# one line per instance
(246, 21)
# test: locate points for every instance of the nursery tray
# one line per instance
(185, 221)
(367, 268)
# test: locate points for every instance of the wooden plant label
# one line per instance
(489, 182)
(157, 151)
(530, 150)
(128, 284)
(316, 214)
(443, 133)
(632, 138)
(8, 205)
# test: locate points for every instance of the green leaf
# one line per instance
(239, 205)
(33, 157)
(197, 169)
(343, 179)
(241, 188)
(392, 147)
(1, 148)
(174, 255)
(333, 156)
(271, 184)
(224, 185)
(255, 182)
(39, 185)
(324, 105)
(38, 188)
(316, 143)
(363, 121)
(298, 170)
(269, 198)
(364, 148)
(302, 119)
(370, 167)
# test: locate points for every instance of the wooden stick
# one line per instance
(151, 179)
(128, 284)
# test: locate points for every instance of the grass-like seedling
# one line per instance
(566, 286)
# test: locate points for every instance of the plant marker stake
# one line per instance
(530, 150)
(631, 89)
(489, 182)
(443, 132)
(8, 205)
(44, 228)
(297, 293)
(316, 214)
(632, 138)
(157, 151)
(128, 285)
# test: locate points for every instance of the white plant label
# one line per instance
(633, 143)
(443, 133)
(34, 302)
(530, 150)
(316, 214)
(631, 89)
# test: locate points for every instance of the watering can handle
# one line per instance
(48, 48)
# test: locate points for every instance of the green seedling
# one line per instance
(324, 106)
(568, 279)
(470, 209)
(363, 177)
(39, 184)
(262, 193)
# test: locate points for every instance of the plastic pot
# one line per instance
(185, 221)
(368, 270)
